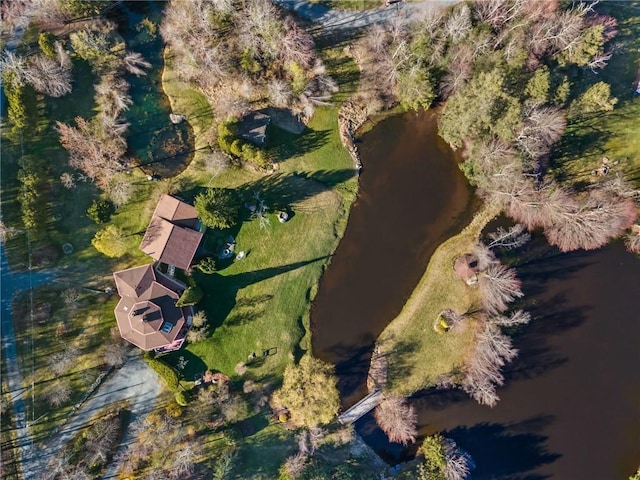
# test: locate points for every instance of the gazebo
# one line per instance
(466, 268)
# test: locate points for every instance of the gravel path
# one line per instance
(10, 284)
(134, 382)
(333, 21)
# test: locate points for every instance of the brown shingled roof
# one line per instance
(176, 211)
(147, 315)
(170, 243)
(466, 267)
(253, 127)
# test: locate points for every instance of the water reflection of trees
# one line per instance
(507, 451)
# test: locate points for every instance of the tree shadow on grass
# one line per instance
(507, 451)
(281, 190)
(247, 310)
(194, 364)
(284, 144)
(221, 292)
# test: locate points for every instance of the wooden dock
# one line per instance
(361, 408)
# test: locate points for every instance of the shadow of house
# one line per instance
(253, 128)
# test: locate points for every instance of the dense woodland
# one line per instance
(245, 55)
(508, 75)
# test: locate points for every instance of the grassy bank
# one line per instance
(608, 134)
(262, 302)
(416, 354)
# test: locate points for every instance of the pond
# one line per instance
(412, 196)
(570, 407)
(160, 147)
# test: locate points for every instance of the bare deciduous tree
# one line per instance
(534, 204)
(60, 362)
(458, 463)
(197, 335)
(458, 70)
(48, 76)
(16, 64)
(199, 319)
(509, 238)
(59, 392)
(295, 465)
(519, 317)
(541, 128)
(499, 286)
(591, 221)
(185, 460)
(101, 437)
(458, 24)
(133, 62)
(115, 353)
(280, 92)
(120, 189)
(492, 351)
(71, 297)
(100, 155)
(64, 60)
(632, 239)
(67, 180)
(397, 419)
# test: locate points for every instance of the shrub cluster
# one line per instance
(165, 372)
(100, 211)
(231, 144)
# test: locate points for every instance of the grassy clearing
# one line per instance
(262, 302)
(611, 134)
(417, 355)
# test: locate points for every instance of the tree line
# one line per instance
(243, 54)
(502, 70)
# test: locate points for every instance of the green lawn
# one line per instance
(609, 134)
(262, 302)
(416, 354)
(259, 303)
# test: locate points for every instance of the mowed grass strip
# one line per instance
(418, 355)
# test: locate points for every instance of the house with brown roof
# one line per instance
(147, 315)
(172, 236)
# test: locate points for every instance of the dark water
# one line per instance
(570, 408)
(158, 146)
(412, 196)
(571, 405)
